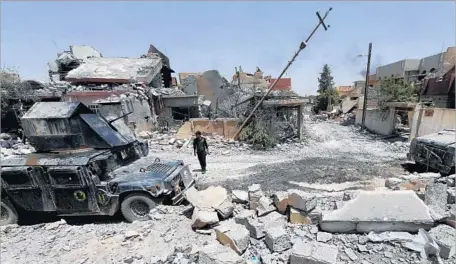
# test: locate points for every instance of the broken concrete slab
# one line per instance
(264, 206)
(380, 211)
(218, 254)
(277, 239)
(389, 237)
(255, 193)
(392, 183)
(204, 217)
(236, 236)
(351, 254)
(239, 196)
(314, 253)
(280, 200)
(436, 198)
(445, 236)
(225, 209)
(296, 216)
(302, 201)
(210, 198)
(243, 217)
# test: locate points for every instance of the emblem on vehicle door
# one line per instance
(80, 196)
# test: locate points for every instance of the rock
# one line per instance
(436, 198)
(202, 218)
(172, 141)
(264, 206)
(302, 201)
(255, 193)
(280, 200)
(314, 253)
(277, 239)
(451, 180)
(128, 260)
(55, 225)
(239, 196)
(324, 237)
(362, 248)
(351, 254)
(445, 236)
(392, 183)
(451, 195)
(299, 217)
(379, 211)
(130, 234)
(226, 209)
(144, 134)
(218, 254)
(234, 235)
(5, 136)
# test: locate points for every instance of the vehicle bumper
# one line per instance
(179, 197)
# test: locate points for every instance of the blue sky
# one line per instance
(204, 35)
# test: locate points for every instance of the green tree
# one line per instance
(326, 91)
(392, 90)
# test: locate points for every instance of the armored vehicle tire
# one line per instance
(8, 213)
(136, 207)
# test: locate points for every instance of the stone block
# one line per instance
(264, 206)
(281, 201)
(239, 196)
(225, 209)
(218, 254)
(445, 236)
(257, 226)
(255, 193)
(302, 201)
(299, 217)
(313, 253)
(379, 211)
(277, 239)
(243, 217)
(236, 236)
(202, 218)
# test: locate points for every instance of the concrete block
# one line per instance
(239, 196)
(379, 211)
(299, 217)
(313, 253)
(280, 200)
(226, 209)
(257, 226)
(445, 236)
(243, 217)
(324, 237)
(202, 218)
(436, 198)
(264, 206)
(451, 195)
(255, 193)
(218, 254)
(236, 236)
(277, 239)
(302, 201)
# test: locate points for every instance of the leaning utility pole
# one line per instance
(366, 85)
(321, 21)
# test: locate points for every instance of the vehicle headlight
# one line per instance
(155, 189)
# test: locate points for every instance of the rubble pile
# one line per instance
(295, 226)
(12, 145)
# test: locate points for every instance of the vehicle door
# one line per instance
(74, 190)
(27, 188)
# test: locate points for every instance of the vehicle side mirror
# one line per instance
(142, 170)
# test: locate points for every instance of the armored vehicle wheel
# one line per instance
(136, 207)
(8, 213)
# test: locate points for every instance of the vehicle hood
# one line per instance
(444, 138)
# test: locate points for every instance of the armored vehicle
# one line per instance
(75, 169)
(435, 151)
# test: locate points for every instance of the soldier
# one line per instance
(200, 148)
